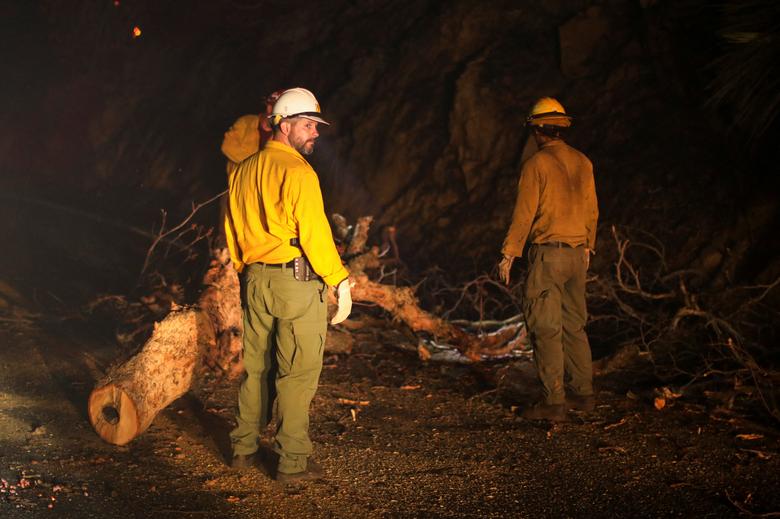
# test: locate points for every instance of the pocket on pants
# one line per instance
(553, 255)
(309, 344)
(534, 285)
(532, 300)
(244, 288)
(290, 299)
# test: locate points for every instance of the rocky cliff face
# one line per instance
(427, 99)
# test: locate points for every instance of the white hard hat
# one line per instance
(296, 102)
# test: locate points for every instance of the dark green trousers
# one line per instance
(285, 322)
(555, 312)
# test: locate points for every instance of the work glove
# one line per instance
(344, 301)
(504, 266)
(587, 258)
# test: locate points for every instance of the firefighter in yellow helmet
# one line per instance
(248, 134)
(281, 243)
(244, 138)
(555, 214)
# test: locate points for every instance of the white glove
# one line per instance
(344, 300)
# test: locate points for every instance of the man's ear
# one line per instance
(285, 126)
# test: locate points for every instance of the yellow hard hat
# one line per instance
(548, 112)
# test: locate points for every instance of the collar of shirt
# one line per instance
(283, 147)
(554, 142)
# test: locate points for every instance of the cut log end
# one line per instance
(113, 414)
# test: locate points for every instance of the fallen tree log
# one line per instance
(189, 340)
(402, 304)
(208, 336)
(127, 399)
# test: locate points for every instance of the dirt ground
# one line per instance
(419, 440)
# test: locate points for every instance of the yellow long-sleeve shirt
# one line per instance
(556, 200)
(273, 196)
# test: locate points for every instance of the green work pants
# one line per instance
(285, 322)
(554, 306)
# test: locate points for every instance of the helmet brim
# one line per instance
(563, 121)
(315, 118)
(311, 116)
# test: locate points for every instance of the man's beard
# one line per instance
(305, 147)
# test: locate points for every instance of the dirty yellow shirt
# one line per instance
(556, 200)
(273, 196)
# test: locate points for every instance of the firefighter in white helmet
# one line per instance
(281, 243)
(555, 214)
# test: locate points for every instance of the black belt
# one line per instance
(558, 245)
(289, 264)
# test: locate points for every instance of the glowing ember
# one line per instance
(136, 31)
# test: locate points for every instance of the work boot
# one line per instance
(243, 461)
(544, 411)
(581, 402)
(313, 472)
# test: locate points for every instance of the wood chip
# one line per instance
(759, 454)
(410, 388)
(747, 436)
(348, 401)
(610, 448)
(617, 424)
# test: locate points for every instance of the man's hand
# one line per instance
(587, 258)
(344, 300)
(504, 266)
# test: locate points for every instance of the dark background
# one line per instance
(672, 101)
(676, 103)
